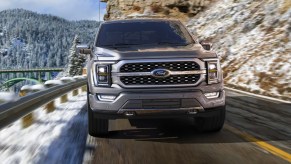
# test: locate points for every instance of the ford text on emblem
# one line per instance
(161, 73)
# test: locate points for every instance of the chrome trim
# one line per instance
(104, 62)
(117, 81)
(115, 68)
(150, 73)
(210, 59)
(94, 74)
(197, 72)
(132, 74)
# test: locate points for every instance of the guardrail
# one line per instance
(12, 111)
(31, 70)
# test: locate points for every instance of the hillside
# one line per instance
(31, 40)
(253, 38)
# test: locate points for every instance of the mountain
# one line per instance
(32, 40)
(181, 9)
(252, 37)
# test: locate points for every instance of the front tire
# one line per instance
(96, 126)
(213, 123)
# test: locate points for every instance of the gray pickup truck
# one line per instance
(152, 68)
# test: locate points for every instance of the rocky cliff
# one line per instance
(183, 9)
(253, 39)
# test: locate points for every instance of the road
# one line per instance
(256, 131)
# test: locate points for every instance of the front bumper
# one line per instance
(159, 103)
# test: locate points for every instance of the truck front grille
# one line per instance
(143, 74)
(149, 80)
(148, 67)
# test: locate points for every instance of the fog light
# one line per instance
(106, 97)
(211, 95)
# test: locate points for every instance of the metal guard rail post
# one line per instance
(12, 111)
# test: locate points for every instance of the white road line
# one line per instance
(256, 95)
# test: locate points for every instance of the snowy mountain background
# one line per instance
(32, 40)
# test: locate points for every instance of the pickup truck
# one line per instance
(152, 68)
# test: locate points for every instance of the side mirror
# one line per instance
(84, 49)
(206, 46)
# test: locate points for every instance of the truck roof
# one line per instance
(139, 20)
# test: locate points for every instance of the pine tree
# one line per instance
(76, 60)
(31, 40)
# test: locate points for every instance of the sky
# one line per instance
(68, 9)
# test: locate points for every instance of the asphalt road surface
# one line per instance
(256, 131)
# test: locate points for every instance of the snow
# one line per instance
(17, 42)
(57, 137)
(53, 82)
(7, 96)
(37, 87)
(253, 42)
(26, 87)
(79, 77)
(135, 15)
(67, 79)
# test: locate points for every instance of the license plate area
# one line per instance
(161, 104)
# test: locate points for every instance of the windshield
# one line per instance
(143, 33)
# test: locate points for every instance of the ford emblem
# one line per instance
(161, 73)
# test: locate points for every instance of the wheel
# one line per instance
(96, 126)
(211, 124)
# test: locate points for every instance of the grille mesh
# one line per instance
(148, 67)
(149, 80)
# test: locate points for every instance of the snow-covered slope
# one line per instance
(254, 41)
(32, 40)
(57, 137)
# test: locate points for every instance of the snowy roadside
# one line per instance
(253, 40)
(57, 137)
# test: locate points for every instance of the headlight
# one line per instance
(103, 75)
(212, 71)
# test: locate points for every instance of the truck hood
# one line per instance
(146, 52)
